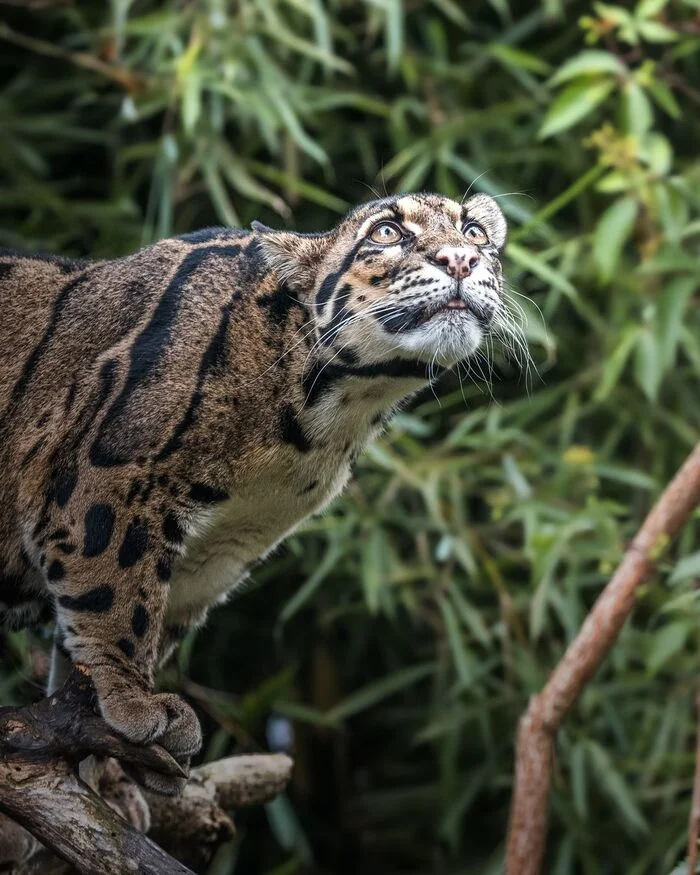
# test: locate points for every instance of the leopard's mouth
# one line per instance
(440, 309)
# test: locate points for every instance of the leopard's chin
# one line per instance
(449, 336)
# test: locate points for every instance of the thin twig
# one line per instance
(547, 710)
(132, 82)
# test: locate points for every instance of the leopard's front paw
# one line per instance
(155, 718)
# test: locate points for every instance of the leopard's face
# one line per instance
(416, 277)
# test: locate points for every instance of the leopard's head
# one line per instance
(415, 277)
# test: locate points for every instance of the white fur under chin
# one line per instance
(447, 338)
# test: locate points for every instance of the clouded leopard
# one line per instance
(167, 418)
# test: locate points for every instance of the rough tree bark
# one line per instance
(41, 746)
(548, 710)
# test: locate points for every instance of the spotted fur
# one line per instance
(167, 418)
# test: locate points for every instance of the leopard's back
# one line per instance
(71, 334)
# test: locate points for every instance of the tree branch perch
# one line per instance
(41, 746)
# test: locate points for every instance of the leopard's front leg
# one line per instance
(111, 587)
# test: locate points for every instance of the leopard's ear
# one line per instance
(486, 211)
(295, 258)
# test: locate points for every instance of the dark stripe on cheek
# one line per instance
(99, 525)
(402, 320)
(134, 544)
(328, 285)
(97, 600)
(320, 378)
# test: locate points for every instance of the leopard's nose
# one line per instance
(457, 261)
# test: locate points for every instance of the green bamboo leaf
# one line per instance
(663, 95)
(686, 568)
(655, 32)
(613, 230)
(648, 365)
(574, 103)
(614, 786)
(536, 265)
(650, 8)
(592, 62)
(615, 363)
(377, 691)
(639, 116)
(665, 643)
(672, 312)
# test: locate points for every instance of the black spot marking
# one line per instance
(56, 570)
(140, 621)
(97, 600)
(148, 488)
(291, 430)
(203, 493)
(134, 544)
(149, 348)
(171, 529)
(59, 534)
(127, 647)
(70, 397)
(32, 452)
(6, 269)
(66, 548)
(134, 490)
(99, 525)
(309, 488)
(64, 483)
(142, 593)
(163, 569)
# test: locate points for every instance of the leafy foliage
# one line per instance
(403, 632)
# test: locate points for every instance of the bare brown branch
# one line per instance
(547, 710)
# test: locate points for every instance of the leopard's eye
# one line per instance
(386, 233)
(475, 233)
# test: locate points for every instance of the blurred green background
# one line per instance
(395, 641)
